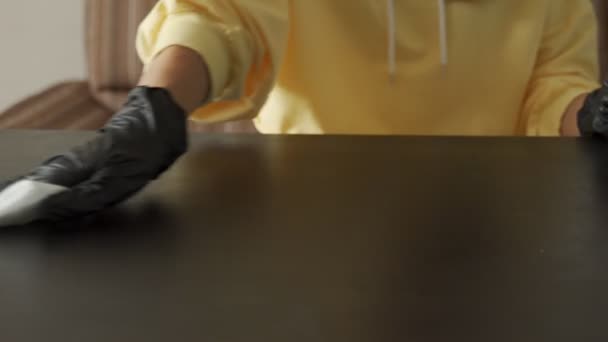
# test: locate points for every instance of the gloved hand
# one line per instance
(593, 117)
(139, 143)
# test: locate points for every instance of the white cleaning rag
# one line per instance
(19, 201)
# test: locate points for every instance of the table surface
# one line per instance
(268, 238)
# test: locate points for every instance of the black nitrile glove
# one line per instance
(593, 117)
(139, 143)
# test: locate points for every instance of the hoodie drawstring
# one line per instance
(392, 40)
(443, 32)
(392, 36)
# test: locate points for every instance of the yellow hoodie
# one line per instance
(433, 67)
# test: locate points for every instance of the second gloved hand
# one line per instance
(593, 117)
(138, 144)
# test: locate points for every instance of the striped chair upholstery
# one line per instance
(113, 65)
(67, 105)
(113, 69)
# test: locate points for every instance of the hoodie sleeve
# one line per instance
(242, 41)
(567, 65)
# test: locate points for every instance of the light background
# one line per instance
(42, 42)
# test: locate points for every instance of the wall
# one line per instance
(41, 43)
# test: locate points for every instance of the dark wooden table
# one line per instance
(340, 239)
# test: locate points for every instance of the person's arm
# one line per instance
(181, 71)
(570, 120)
(196, 54)
(566, 70)
(242, 42)
(145, 137)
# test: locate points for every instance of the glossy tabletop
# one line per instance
(333, 238)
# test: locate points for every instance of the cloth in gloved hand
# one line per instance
(18, 201)
(593, 117)
(138, 144)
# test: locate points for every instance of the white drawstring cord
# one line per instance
(392, 40)
(443, 33)
(392, 36)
